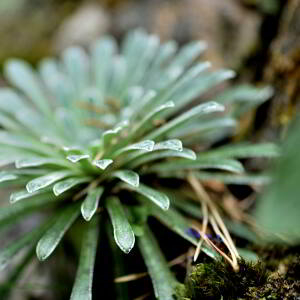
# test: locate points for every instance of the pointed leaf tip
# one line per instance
(102, 163)
(128, 176)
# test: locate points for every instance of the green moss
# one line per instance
(208, 281)
(216, 280)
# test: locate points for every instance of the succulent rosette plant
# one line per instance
(96, 136)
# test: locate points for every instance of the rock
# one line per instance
(231, 30)
(88, 22)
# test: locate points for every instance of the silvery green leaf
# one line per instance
(148, 53)
(248, 179)
(82, 288)
(102, 52)
(147, 121)
(76, 63)
(8, 123)
(109, 135)
(163, 280)
(188, 53)
(146, 145)
(67, 184)
(38, 161)
(225, 164)
(44, 181)
(166, 51)
(180, 85)
(205, 126)
(90, 204)
(11, 212)
(4, 176)
(201, 109)
(243, 151)
(198, 86)
(76, 158)
(55, 233)
(127, 176)
(156, 155)
(17, 196)
(10, 101)
(177, 223)
(102, 163)
(20, 74)
(174, 144)
(245, 93)
(160, 199)
(147, 98)
(7, 253)
(123, 232)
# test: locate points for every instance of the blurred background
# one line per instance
(260, 39)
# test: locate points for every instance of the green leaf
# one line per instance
(68, 184)
(255, 179)
(140, 160)
(225, 164)
(201, 109)
(206, 126)
(44, 181)
(82, 288)
(90, 203)
(23, 194)
(10, 101)
(109, 135)
(102, 163)
(160, 199)
(196, 87)
(245, 93)
(162, 279)
(243, 151)
(188, 53)
(77, 158)
(175, 222)
(38, 161)
(123, 232)
(102, 52)
(147, 121)
(20, 74)
(76, 63)
(146, 145)
(277, 210)
(11, 212)
(54, 234)
(7, 253)
(127, 176)
(174, 144)
(4, 176)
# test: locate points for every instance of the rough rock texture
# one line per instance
(283, 70)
